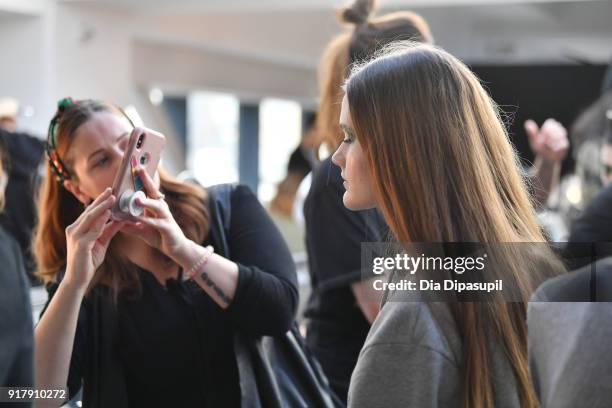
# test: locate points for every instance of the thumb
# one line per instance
(108, 232)
(531, 128)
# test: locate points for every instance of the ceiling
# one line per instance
(296, 31)
(198, 6)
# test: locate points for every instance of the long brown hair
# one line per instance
(365, 35)
(58, 208)
(445, 171)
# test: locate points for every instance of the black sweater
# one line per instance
(337, 327)
(174, 346)
(16, 341)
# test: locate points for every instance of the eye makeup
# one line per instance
(348, 132)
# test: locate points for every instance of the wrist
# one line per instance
(541, 160)
(73, 287)
(184, 251)
(198, 266)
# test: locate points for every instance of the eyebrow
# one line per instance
(102, 149)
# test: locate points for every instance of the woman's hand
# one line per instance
(87, 240)
(157, 226)
(549, 142)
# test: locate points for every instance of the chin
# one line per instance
(353, 204)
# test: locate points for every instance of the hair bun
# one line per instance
(357, 13)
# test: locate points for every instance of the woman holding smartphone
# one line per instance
(142, 313)
(425, 144)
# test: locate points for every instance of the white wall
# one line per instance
(89, 49)
(25, 72)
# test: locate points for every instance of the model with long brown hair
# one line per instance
(143, 313)
(424, 143)
(338, 314)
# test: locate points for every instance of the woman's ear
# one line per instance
(76, 191)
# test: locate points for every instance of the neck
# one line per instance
(146, 257)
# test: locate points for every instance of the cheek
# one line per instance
(95, 182)
(356, 166)
(359, 194)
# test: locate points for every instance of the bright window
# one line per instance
(280, 126)
(212, 137)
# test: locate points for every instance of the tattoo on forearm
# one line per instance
(209, 282)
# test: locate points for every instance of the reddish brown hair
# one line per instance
(58, 208)
(365, 35)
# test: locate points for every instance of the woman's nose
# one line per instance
(338, 156)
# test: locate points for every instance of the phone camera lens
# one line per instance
(140, 140)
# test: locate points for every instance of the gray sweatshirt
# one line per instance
(412, 358)
(570, 339)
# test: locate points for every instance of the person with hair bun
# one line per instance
(365, 34)
(339, 313)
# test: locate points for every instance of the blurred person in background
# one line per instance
(9, 108)
(309, 148)
(339, 312)
(606, 152)
(16, 340)
(588, 135)
(550, 146)
(594, 225)
(297, 169)
(24, 159)
(424, 143)
(144, 313)
(282, 206)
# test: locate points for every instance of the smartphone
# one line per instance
(144, 149)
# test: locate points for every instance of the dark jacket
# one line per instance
(591, 235)
(25, 155)
(16, 341)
